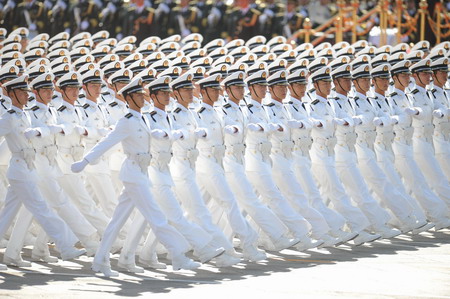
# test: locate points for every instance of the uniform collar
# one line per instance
(399, 92)
(276, 103)
(135, 113)
(340, 96)
(379, 96)
(41, 106)
(207, 106)
(93, 104)
(294, 101)
(438, 89)
(255, 103)
(233, 105)
(360, 95)
(17, 110)
(321, 99)
(68, 105)
(421, 89)
(160, 112)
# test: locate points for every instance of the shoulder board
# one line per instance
(54, 96)
(270, 105)
(105, 93)
(153, 113)
(34, 108)
(85, 106)
(177, 110)
(311, 90)
(11, 111)
(226, 106)
(201, 110)
(30, 99)
(356, 98)
(62, 108)
(415, 91)
(290, 102)
(129, 115)
(113, 104)
(315, 102)
(82, 96)
(433, 90)
(393, 94)
(249, 106)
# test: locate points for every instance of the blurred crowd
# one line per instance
(228, 19)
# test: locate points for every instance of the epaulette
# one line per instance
(153, 114)
(270, 105)
(85, 106)
(201, 110)
(356, 99)
(54, 96)
(315, 102)
(11, 111)
(113, 104)
(290, 102)
(30, 99)
(34, 108)
(415, 91)
(393, 94)
(311, 90)
(62, 108)
(227, 106)
(249, 106)
(129, 115)
(82, 96)
(106, 93)
(177, 110)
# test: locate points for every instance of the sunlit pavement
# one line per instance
(404, 267)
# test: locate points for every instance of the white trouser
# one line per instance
(404, 206)
(356, 188)
(444, 162)
(249, 201)
(436, 179)
(331, 188)
(188, 193)
(59, 201)
(435, 209)
(213, 183)
(138, 195)
(271, 195)
(3, 184)
(287, 183)
(302, 171)
(104, 191)
(28, 194)
(74, 186)
(192, 232)
(116, 181)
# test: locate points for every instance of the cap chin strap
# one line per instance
(157, 100)
(420, 80)
(271, 87)
(209, 97)
(234, 97)
(356, 82)
(296, 94)
(376, 85)
(318, 88)
(441, 84)
(131, 96)
(340, 86)
(399, 81)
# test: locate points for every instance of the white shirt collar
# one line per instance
(135, 113)
(93, 104)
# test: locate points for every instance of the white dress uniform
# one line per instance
(441, 134)
(182, 168)
(408, 214)
(70, 149)
(435, 209)
(135, 136)
(423, 142)
(98, 176)
(22, 176)
(302, 164)
(160, 149)
(211, 175)
(282, 170)
(43, 118)
(323, 160)
(233, 164)
(259, 170)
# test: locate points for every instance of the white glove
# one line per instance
(411, 111)
(438, 113)
(103, 131)
(230, 130)
(377, 121)
(80, 130)
(357, 120)
(273, 127)
(55, 129)
(30, 133)
(200, 133)
(338, 121)
(177, 134)
(317, 123)
(254, 127)
(394, 119)
(294, 124)
(79, 166)
(158, 134)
